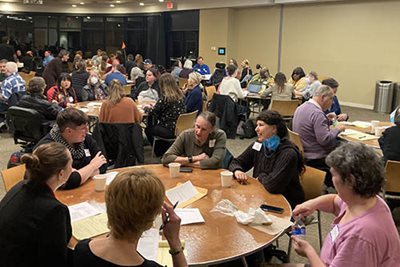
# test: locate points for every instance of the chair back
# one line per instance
(285, 107)
(295, 138)
(182, 82)
(312, 181)
(25, 124)
(127, 89)
(392, 176)
(211, 90)
(12, 176)
(27, 76)
(185, 121)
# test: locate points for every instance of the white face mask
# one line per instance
(94, 80)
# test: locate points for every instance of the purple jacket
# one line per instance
(311, 123)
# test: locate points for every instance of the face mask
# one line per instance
(272, 143)
(94, 80)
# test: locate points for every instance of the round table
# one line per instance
(220, 238)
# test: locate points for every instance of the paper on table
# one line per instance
(90, 227)
(349, 132)
(181, 193)
(362, 124)
(362, 136)
(277, 226)
(84, 110)
(110, 177)
(82, 210)
(163, 257)
(189, 216)
(148, 244)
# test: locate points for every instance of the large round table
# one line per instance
(220, 238)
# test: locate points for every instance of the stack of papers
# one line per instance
(189, 216)
(185, 193)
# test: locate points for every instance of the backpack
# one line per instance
(249, 129)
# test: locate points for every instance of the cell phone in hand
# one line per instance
(186, 169)
(270, 208)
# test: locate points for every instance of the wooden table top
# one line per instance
(220, 238)
(372, 143)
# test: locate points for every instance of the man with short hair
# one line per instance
(335, 112)
(3, 63)
(47, 58)
(116, 73)
(202, 147)
(13, 83)
(200, 67)
(313, 126)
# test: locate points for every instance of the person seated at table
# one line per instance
(187, 68)
(246, 74)
(116, 73)
(363, 232)
(71, 130)
(298, 80)
(194, 96)
(230, 85)
(176, 69)
(79, 78)
(200, 67)
(35, 227)
(202, 147)
(133, 200)
(119, 108)
(137, 76)
(313, 126)
(335, 112)
(264, 78)
(149, 87)
(313, 84)
(277, 162)
(280, 90)
(37, 101)
(95, 89)
(165, 113)
(63, 93)
(389, 141)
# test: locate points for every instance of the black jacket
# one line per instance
(144, 86)
(225, 109)
(79, 80)
(390, 143)
(41, 105)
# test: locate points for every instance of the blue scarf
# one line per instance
(272, 143)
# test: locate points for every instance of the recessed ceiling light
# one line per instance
(112, 5)
(118, 2)
(88, 17)
(73, 5)
(82, 3)
(161, 1)
(141, 3)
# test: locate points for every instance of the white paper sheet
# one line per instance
(81, 211)
(181, 192)
(148, 244)
(189, 216)
(362, 124)
(349, 132)
(110, 177)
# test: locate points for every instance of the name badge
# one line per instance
(211, 143)
(334, 233)
(257, 146)
(71, 99)
(87, 153)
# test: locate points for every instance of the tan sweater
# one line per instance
(125, 111)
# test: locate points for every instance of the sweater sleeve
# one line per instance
(215, 161)
(177, 149)
(74, 181)
(326, 137)
(244, 162)
(284, 169)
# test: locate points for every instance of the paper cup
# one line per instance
(374, 124)
(378, 131)
(100, 182)
(226, 178)
(174, 169)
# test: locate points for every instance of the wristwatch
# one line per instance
(190, 158)
(174, 251)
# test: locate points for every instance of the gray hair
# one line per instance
(36, 85)
(136, 72)
(323, 90)
(11, 66)
(208, 116)
(360, 166)
(188, 64)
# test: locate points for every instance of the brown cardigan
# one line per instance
(125, 111)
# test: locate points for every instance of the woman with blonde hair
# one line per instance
(133, 200)
(165, 112)
(193, 98)
(118, 108)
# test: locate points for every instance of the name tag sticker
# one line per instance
(71, 99)
(257, 146)
(334, 233)
(211, 143)
(87, 153)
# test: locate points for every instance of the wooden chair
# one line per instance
(295, 138)
(285, 107)
(182, 82)
(185, 121)
(210, 91)
(27, 76)
(127, 89)
(392, 180)
(312, 181)
(12, 176)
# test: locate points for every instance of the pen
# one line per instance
(167, 217)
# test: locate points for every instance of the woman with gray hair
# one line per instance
(363, 232)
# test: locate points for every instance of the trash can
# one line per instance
(383, 96)
(396, 96)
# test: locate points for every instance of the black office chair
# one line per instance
(12, 101)
(27, 126)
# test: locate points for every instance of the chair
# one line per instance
(182, 82)
(210, 91)
(127, 89)
(295, 138)
(285, 107)
(12, 176)
(392, 180)
(184, 121)
(312, 181)
(27, 76)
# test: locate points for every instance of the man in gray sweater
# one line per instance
(313, 126)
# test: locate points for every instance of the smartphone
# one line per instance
(271, 208)
(186, 169)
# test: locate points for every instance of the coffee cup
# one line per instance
(374, 124)
(100, 182)
(226, 178)
(174, 169)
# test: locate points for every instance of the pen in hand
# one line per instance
(167, 217)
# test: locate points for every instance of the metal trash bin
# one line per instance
(396, 96)
(383, 96)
